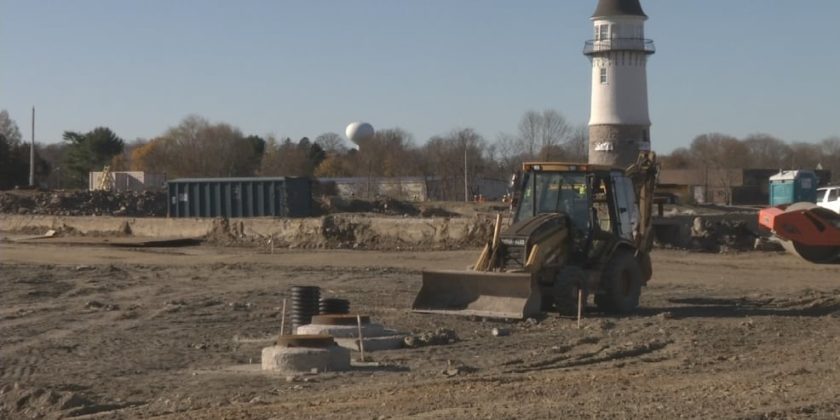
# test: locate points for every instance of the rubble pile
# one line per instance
(85, 203)
(721, 236)
(382, 205)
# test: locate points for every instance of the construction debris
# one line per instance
(721, 236)
(437, 337)
(85, 203)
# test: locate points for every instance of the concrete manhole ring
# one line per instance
(305, 341)
(339, 319)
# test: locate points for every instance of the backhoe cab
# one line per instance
(575, 227)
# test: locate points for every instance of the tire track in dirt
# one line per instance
(19, 369)
(601, 355)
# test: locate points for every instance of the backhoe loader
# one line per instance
(577, 229)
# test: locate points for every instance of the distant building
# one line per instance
(722, 186)
(126, 181)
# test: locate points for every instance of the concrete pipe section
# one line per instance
(305, 353)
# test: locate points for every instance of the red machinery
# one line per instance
(805, 229)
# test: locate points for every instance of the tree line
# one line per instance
(757, 151)
(197, 147)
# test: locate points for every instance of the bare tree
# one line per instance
(9, 129)
(765, 151)
(831, 156)
(331, 143)
(389, 153)
(542, 133)
(577, 146)
(444, 156)
(716, 154)
(529, 133)
(804, 155)
(680, 158)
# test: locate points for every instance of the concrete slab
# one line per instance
(376, 337)
(389, 342)
(341, 331)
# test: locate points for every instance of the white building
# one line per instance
(126, 181)
(619, 124)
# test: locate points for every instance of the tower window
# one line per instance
(603, 32)
(603, 76)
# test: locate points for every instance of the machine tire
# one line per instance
(646, 266)
(621, 284)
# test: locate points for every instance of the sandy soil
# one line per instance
(177, 333)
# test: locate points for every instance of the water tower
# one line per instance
(359, 132)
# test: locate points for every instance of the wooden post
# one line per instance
(361, 338)
(494, 247)
(580, 306)
(283, 318)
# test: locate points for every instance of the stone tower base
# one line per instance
(617, 145)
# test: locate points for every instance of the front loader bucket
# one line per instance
(477, 293)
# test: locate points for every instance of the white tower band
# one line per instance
(619, 124)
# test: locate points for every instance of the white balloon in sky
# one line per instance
(359, 132)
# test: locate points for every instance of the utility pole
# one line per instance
(466, 185)
(32, 153)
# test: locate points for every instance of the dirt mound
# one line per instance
(84, 203)
(36, 403)
(353, 231)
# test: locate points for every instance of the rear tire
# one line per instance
(621, 284)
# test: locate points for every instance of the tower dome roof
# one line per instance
(619, 8)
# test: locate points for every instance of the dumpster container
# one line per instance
(239, 197)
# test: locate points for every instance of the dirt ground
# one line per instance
(177, 333)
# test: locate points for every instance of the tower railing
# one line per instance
(619, 44)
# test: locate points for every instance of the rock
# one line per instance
(499, 332)
(93, 305)
(455, 369)
(665, 315)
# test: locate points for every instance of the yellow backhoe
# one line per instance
(577, 229)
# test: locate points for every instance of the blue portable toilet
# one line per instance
(788, 187)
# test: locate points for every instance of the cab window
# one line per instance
(547, 192)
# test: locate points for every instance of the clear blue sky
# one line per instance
(300, 68)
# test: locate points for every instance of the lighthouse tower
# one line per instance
(619, 124)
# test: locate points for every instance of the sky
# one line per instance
(302, 68)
